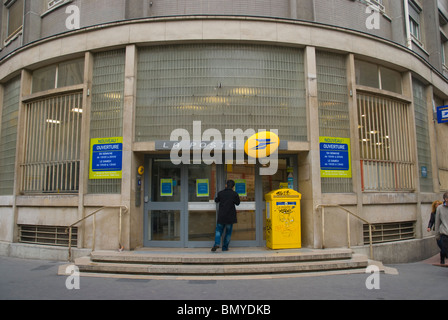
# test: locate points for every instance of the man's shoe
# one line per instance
(214, 248)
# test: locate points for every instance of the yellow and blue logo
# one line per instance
(262, 144)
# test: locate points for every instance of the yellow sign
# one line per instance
(262, 144)
(141, 170)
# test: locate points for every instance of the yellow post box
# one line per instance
(283, 226)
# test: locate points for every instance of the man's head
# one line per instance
(445, 197)
(230, 184)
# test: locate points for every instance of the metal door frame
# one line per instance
(184, 206)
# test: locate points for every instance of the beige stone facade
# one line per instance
(22, 208)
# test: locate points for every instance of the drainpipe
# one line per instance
(408, 28)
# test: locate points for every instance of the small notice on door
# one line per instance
(241, 187)
(202, 188)
(166, 187)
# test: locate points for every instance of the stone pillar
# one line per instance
(310, 184)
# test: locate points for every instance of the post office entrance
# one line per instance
(179, 206)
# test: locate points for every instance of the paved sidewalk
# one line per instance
(32, 279)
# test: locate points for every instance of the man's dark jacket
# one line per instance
(227, 200)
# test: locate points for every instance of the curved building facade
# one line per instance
(95, 95)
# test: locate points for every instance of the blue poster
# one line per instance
(335, 157)
(166, 187)
(106, 158)
(241, 187)
(202, 189)
(442, 114)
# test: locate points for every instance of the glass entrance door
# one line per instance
(201, 207)
(163, 204)
(249, 222)
(180, 210)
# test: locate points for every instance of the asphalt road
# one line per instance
(38, 280)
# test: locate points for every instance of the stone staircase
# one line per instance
(237, 263)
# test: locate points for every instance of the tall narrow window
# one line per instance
(443, 28)
(52, 144)
(443, 50)
(106, 115)
(423, 146)
(15, 17)
(334, 117)
(387, 163)
(415, 28)
(415, 21)
(8, 136)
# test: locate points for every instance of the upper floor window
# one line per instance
(379, 4)
(375, 76)
(415, 21)
(59, 75)
(443, 27)
(15, 17)
(415, 29)
(54, 3)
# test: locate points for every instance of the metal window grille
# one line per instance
(52, 144)
(334, 116)
(390, 232)
(387, 163)
(47, 235)
(8, 136)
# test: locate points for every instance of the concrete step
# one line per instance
(203, 263)
(237, 256)
(86, 265)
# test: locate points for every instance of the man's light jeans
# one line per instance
(218, 234)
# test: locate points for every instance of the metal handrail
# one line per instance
(69, 228)
(348, 224)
